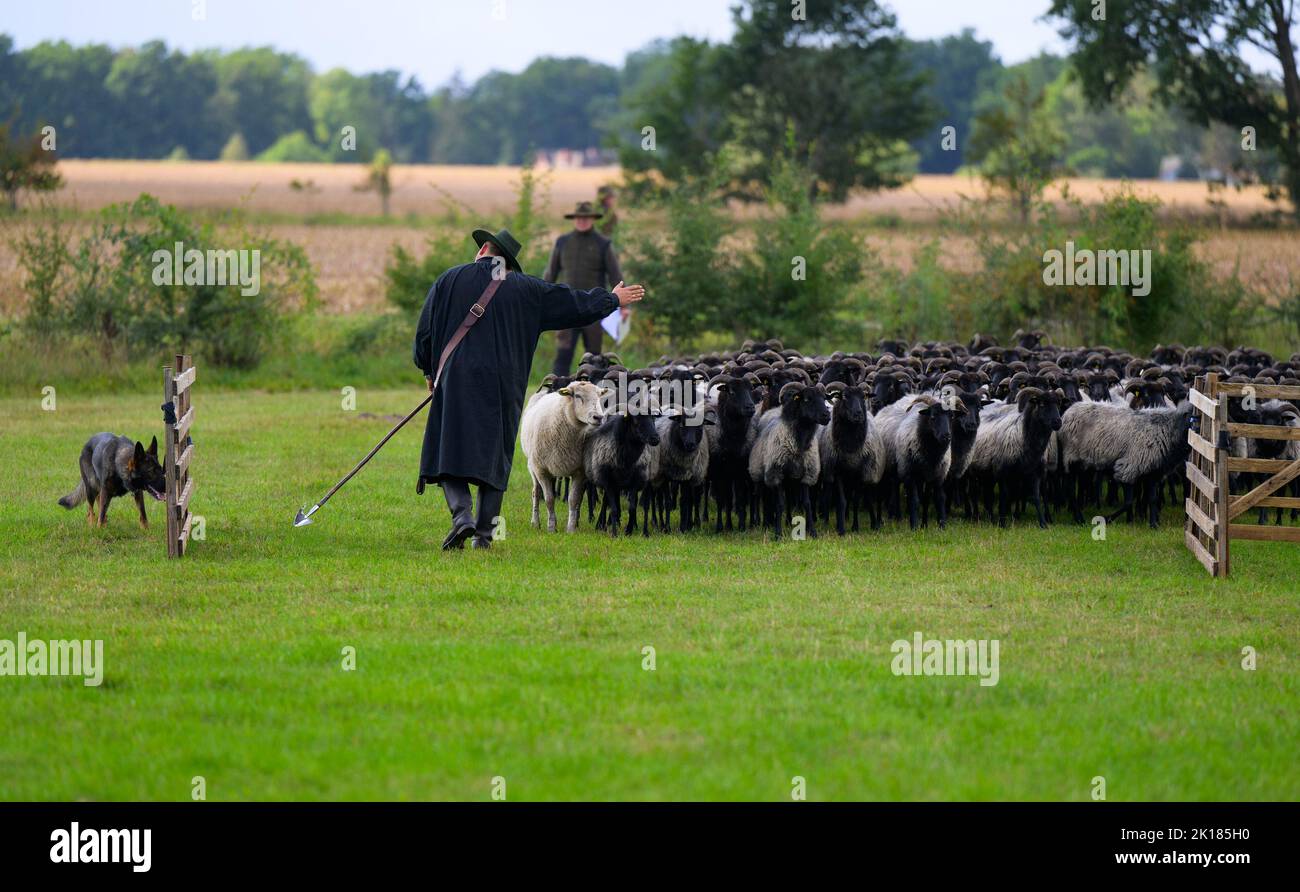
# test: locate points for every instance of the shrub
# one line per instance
(800, 269)
(295, 147)
(683, 264)
(409, 279)
(108, 287)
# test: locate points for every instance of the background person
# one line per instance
(584, 259)
(469, 438)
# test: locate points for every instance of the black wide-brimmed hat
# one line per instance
(585, 209)
(506, 243)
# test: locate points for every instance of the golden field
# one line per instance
(349, 255)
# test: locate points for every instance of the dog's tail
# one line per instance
(76, 497)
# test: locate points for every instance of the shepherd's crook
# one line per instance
(304, 517)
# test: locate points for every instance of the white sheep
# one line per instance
(553, 433)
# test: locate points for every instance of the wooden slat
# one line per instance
(183, 426)
(183, 503)
(185, 379)
(1265, 533)
(169, 463)
(1265, 489)
(1202, 402)
(1278, 502)
(1264, 431)
(1201, 519)
(1198, 550)
(1201, 482)
(1219, 469)
(1262, 391)
(183, 463)
(185, 530)
(1201, 445)
(1257, 465)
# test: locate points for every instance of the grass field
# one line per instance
(1119, 658)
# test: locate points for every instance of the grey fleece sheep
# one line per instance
(851, 452)
(785, 451)
(679, 465)
(1134, 446)
(917, 435)
(1011, 446)
(553, 433)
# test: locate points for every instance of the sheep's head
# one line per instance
(933, 420)
(848, 402)
(1042, 406)
(735, 395)
(964, 405)
(888, 388)
(584, 401)
(804, 403)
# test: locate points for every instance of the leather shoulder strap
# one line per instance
(476, 311)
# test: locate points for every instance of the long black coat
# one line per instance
(475, 412)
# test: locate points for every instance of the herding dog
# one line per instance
(114, 466)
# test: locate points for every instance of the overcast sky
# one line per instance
(433, 39)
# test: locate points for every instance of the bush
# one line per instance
(409, 280)
(797, 275)
(295, 147)
(235, 149)
(1010, 291)
(111, 287)
(683, 265)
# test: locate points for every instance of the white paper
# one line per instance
(616, 326)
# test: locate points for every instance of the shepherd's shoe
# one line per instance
(456, 538)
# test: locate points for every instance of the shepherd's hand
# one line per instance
(429, 381)
(628, 294)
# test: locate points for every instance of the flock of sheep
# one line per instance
(771, 436)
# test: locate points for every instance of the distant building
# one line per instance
(571, 159)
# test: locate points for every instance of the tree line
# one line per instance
(862, 103)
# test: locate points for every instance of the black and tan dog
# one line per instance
(114, 466)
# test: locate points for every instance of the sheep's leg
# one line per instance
(613, 505)
(810, 517)
(1153, 517)
(578, 483)
(839, 508)
(778, 512)
(940, 505)
(604, 505)
(686, 520)
(631, 510)
(537, 497)
(1126, 507)
(1036, 493)
(591, 507)
(913, 503)
(1004, 504)
(547, 483)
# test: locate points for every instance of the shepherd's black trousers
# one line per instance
(461, 504)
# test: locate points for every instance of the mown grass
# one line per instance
(1119, 658)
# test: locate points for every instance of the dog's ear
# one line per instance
(153, 447)
(138, 457)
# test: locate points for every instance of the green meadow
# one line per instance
(1118, 658)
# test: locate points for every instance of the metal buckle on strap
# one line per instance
(477, 310)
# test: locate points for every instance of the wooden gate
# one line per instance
(1212, 506)
(178, 417)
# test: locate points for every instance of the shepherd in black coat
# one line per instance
(474, 416)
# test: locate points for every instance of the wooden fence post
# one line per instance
(179, 451)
